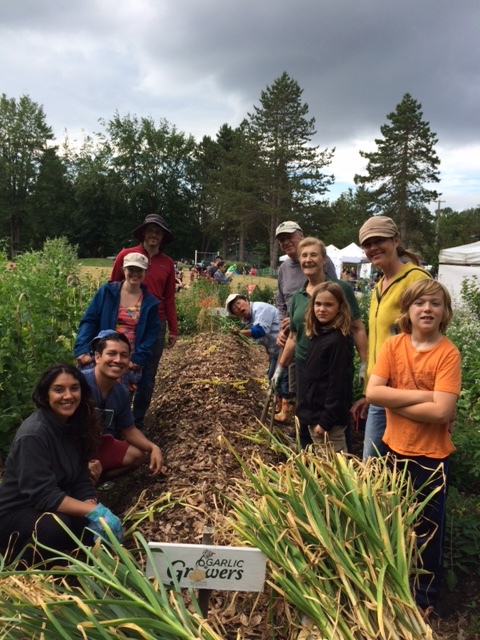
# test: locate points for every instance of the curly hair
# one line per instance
(342, 320)
(87, 428)
(417, 290)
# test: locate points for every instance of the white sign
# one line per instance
(208, 566)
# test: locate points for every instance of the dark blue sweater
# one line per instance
(102, 314)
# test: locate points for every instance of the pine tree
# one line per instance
(283, 132)
(405, 160)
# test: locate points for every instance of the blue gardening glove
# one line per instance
(361, 372)
(278, 377)
(111, 520)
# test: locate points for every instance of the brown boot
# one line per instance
(287, 412)
(278, 406)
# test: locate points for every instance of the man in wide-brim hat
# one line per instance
(160, 281)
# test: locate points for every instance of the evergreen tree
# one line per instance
(283, 133)
(405, 160)
(24, 135)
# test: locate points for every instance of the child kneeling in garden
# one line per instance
(417, 378)
(325, 376)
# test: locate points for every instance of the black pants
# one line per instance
(431, 524)
(17, 530)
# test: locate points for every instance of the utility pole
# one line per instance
(437, 220)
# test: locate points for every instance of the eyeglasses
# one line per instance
(368, 244)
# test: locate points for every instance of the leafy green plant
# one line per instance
(462, 536)
(43, 299)
(258, 293)
(471, 294)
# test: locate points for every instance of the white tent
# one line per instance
(458, 263)
(353, 254)
(335, 256)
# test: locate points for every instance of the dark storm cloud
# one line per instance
(202, 63)
(354, 59)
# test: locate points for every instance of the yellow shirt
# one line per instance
(385, 309)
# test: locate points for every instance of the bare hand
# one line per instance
(84, 359)
(319, 431)
(281, 339)
(171, 341)
(156, 460)
(360, 408)
(95, 468)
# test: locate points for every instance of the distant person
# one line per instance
(126, 307)
(262, 324)
(160, 282)
(46, 475)
(213, 267)
(116, 457)
(220, 277)
(380, 240)
(417, 379)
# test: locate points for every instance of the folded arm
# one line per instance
(415, 404)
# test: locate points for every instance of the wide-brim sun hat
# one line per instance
(154, 218)
(378, 227)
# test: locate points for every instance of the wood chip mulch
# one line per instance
(211, 387)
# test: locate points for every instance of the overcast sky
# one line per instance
(201, 63)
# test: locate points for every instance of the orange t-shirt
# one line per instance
(437, 369)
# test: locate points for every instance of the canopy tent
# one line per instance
(335, 256)
(458, 263)
(353, 254)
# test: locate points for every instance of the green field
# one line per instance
(104, 263)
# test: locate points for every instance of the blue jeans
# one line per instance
(373, 445)
(143, 394)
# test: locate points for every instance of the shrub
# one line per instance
(43, 300)
(462, 536)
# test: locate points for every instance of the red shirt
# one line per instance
(160, 281)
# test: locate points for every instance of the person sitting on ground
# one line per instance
(262, 322)
(46, 483)
(211, 270)
(219, 275)
(116, 457)
(128, 308)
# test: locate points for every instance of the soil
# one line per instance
(211, 387)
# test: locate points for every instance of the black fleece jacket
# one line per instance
(325, 380)
(44, 465)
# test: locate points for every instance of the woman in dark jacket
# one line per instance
(46, 477)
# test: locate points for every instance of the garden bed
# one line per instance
(209, 387)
